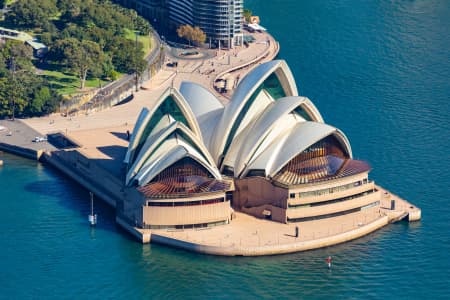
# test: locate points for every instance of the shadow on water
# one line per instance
(79, 201)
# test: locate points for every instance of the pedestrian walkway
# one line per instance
(249, 236)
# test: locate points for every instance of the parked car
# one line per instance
(39, 139)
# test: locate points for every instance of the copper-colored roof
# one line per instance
(183, 186)
(321, 168)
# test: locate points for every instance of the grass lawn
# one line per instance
(145, 40)
(67, 84)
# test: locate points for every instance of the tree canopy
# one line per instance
(22, 93)
(99, 21)
(247, 14)
(31, 13)
(192, 34)
(82, 57)
(87, 38)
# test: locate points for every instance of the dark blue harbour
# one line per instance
(378, 70)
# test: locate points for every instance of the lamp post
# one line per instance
(229, 25)
(13, 70)
(136, 62)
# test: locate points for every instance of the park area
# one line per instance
(73, 45)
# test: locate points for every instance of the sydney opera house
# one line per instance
(193, 161)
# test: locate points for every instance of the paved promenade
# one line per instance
(249, 236)
(206, 71)
(18, 138)
(246, 234)
(19, 134)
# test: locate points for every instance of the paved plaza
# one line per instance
(17, 133)
(191, 70)
(248, 231)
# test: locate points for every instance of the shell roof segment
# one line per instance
(246, 92)
(263, 128)
(205, 106)
(169, 152)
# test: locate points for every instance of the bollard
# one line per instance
(392, 204)
(296, 231)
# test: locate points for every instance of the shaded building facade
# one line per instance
(221, 20)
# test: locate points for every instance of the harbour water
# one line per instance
(378, 70)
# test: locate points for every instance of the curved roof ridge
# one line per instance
(300, 138)
(243, 93)
(149, 146)
(143, 115)
(183, 105)
(157, 140)
(141, 130)
(206, 107)
(176, 150)
(262, 128)
(312, 110)
(200, 99)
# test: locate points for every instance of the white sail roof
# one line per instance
(143, 115)
(300, 137)
(265, 126)
(243, 94)
(155, 141)
(169, 152)
(205, 106)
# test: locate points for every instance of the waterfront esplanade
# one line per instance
(192, 161)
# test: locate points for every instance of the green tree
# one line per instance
(83, 57)
(17, 69)
(127, 55)
(70, 8)
(142, 25)
(247, 14)
(19, 53)
(41, 96)
(12, 95)
(4, 101)
(3, 68)
(43, 101)
(31, 13)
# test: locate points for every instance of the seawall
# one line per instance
(76, 166)
(22, 151)
(272, 249)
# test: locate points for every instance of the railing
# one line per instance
(119, 90)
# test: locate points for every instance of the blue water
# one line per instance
(380, 71)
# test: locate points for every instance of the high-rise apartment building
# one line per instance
(221, 20)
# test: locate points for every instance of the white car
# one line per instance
(39, 139)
